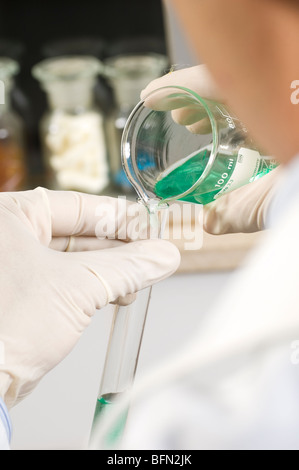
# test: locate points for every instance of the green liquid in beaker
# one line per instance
(104, 405)
(183, 176)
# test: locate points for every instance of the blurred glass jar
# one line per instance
(90, 46)
(128, 75)
(72, 133)
(13, 171)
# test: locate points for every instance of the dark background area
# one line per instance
(114, 26)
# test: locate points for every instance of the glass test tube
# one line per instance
(121, 360)
(123, 352)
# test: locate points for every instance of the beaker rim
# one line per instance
(67, 68)
(124, 147)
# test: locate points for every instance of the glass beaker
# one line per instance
(127, 74)
(13, 168)
(207, 155)
(72, 133)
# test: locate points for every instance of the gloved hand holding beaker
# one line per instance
(245, 208)
(60, 263)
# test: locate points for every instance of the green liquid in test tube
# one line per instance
(103, 407)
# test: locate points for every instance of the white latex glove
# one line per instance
(196, 78)
(242, 210)
(48, 297)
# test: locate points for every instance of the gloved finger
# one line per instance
(202, 127)
(125, 301)
(73, 244)
(166, 99)
(108, 275)
(68, 213)
(244, 209)
(49, 214)
(188, 115)
(196, 78)
(195, 119)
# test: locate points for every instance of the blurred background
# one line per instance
(55, 112)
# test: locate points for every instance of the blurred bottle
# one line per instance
(19, 101)
(13, 168)
(72, 132)
(83, 46)
(128, 75)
